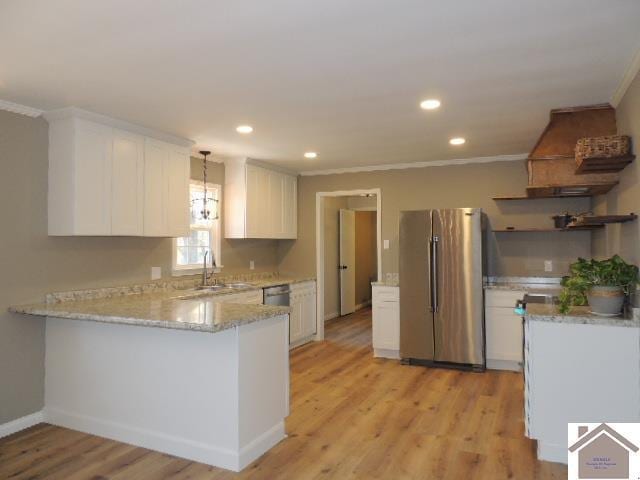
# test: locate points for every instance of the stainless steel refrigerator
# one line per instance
(441, 293)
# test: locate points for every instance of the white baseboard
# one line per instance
(504, 365)
(180, 447)
(331, 316)
(259, 445)
(386, 353)
(552, 453)
(362, 305)
(302, 341)
(21, 423)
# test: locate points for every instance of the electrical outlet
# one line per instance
(385, 244)
(156, 273)
(252, 265)
(548, 266)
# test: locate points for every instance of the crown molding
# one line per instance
(630, 73)
(21, 109)
(261, 164)
(403, 166)
(75, 112)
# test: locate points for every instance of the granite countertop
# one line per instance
(176, 305)
(176, 310)
(541, 312)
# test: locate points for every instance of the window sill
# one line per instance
(183, 272)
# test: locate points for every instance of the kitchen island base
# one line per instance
(578, 368)
(219, 399)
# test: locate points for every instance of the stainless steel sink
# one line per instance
(236, 285)
(211, 288)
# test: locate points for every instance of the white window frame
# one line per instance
(215, 233)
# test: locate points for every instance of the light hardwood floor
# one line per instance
(352, 417)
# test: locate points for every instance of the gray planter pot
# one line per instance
(606, 300)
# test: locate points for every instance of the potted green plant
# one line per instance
(602, 284)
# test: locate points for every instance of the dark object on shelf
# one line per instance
(605, 154)
(561, 221)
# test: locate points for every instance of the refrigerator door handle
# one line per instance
(434, 273)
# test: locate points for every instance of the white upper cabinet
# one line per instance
(178, 171)
(111, 178)
(166, 190)
(259, 202)
(127, 184)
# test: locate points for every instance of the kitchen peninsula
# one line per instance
(579, 367)
(185, 372)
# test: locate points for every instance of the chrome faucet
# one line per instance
(206, 276)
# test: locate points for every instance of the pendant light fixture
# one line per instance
(206, 201)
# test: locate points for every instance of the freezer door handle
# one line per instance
(434, 273)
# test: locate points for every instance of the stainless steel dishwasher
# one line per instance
(278, 295)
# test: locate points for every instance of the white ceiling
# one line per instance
(341, 77)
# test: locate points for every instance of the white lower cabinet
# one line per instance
(386, 321)
(577, 373)
(503, 330)
(302, 320)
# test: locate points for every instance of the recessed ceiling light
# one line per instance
(457, 141)
(244, 129)
(310, 155)
(430, 104)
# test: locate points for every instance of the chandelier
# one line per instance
(201, 207)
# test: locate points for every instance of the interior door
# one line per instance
(347, 262)
(416, 316)
(458, 319)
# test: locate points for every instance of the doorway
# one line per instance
(348, 251)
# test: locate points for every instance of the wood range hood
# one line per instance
(551, 164)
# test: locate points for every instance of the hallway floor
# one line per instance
(352, 416)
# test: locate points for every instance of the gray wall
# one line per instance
(623, 239)
(470, 185)
(33, 264)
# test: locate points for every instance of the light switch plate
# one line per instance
(252, 265)
(156, 273)
(385, 244)
(548, 266)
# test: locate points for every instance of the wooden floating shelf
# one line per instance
(604, 165)
(562, 191)
(525, 197)
(586, 221)
(589, 189)
(547, 230)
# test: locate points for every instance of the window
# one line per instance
(188, 252)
